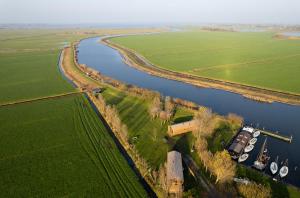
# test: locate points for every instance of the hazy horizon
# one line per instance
(150, 12)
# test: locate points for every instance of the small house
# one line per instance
(174, 174)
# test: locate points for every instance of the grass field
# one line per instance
(150, 133)
(255, 58)
(55, 147)
(59, 148)
(28, 60)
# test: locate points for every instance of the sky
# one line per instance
(150, 11)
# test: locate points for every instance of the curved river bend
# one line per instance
(276, 116)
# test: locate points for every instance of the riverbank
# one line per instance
(72, 70)
(255, 93)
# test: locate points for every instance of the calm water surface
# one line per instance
(296, 34)
(276, 116)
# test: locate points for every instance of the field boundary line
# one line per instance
(40, 98)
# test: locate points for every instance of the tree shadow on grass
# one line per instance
(183, 119)
(278, 189)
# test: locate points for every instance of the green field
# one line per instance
(255, 58)
(150, 133)
(55, 147)
(60, 148)
(28, 64)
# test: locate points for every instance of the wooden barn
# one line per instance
(174, 174)
(184, 127)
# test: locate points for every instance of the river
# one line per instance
(279, 117)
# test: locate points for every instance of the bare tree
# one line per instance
(200, 144)
(124, 133)
(206, 158)
(223, 167)
(155, 107)
(205, 123)
(163, 177)
(169, 105)
(235, 119)
(254, 190)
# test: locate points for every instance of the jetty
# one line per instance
(276, 135)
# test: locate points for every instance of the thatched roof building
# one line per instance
(175, 174)
(184, 127)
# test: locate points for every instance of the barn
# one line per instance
(174, 174)
(184, 127)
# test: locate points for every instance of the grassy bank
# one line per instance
(146, 133)
(255, 59)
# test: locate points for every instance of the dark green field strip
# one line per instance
(101, 148)
(56, 148)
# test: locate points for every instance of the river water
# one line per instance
(295, 34)
(275, 117)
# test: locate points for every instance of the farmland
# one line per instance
(60, 148)
(28, 60)
(53, 147)
(255, 59)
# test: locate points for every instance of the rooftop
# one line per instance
(174, 166)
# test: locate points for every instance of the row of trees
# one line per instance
(112, 117)
(219, 164)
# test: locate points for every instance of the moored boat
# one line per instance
(248, 129)
(274, 166)
(262, 158)
(243, 157)
(256, 134)
(249, 148)
(284, 170)
(253, 141)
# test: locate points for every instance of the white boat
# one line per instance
(256, 134)
(253, 141)
(274, 166)
(249, 148)
(243, 157)
(284, 170)
(248, 129)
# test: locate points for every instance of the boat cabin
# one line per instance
(239, 143)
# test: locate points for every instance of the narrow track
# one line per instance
(40, 98)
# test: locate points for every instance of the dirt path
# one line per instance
(40, 98)
(70, 69)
